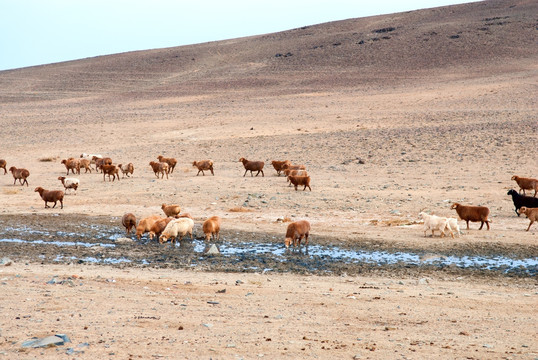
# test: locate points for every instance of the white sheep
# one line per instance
(433, 223)
(453, 223)
(175, 228)
(69, 183)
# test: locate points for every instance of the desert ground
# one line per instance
(391, 115)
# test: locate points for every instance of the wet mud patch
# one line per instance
(75, 238)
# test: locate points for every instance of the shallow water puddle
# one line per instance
(326, 254)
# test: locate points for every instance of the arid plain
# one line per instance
(392, 115)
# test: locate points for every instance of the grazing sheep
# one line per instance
(435, 223)
(110, 170)
(158, 227)
(178, 227)
(69, 183)
(86, 164)
(127, 169)
(526, 184)
(3, 165)
(204, 165)
(145, 225)
(522, 200)
(170, 161)
(159, 168)
(51, 196)
(99, 162)
(129, 222)
(278, 165)
(300, 180)
(472, 213)
(211, 228)
(295, 233)
(252, 166)
(532, 214)
(171, 210)
(289, 172)
(20, 174)
(91, 157)
(293, 167)
(71, 164)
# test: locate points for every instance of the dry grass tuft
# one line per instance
(12, 191)
(49, 159)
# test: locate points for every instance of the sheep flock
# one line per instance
(175, 225)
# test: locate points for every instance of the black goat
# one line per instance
(522, 200)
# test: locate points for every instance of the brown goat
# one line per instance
(127, 169)
(526, 184)
(159, 168)
(252, 166)
(532, 214)
(129, 222)
(3, 165)
(158, 227)
(295, 233)
(86, 164)
(211, 228)
(51, 196)
(170, 161)
(20, 174)
(71, 164)
(300, 180)
(171, 210)
(472, 213)
(145, 225)
(278, 165)
(203, 165)
(110, 170)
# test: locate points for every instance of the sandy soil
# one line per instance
(149, 313)
(408, 121)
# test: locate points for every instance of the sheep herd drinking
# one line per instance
(176, 225)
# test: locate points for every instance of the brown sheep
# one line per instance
(110, 170)
(170, 161)
(472, 213)
(532, 214)
(99, 162)
(145, 225)
(526, 184)
(71, 164)
(289, 172)
(211, 228)
(158, 227)
(171, 210)
(3, 165)
(86, 164)
(252, 166)
(300, 180)
(127, 169)
(129, 222)
(293, 167)
(159, 168)
(203, 165)
(20, 174)
(295, 233)
(51, 196)
(278, 165)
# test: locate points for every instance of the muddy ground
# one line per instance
(97, 238)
